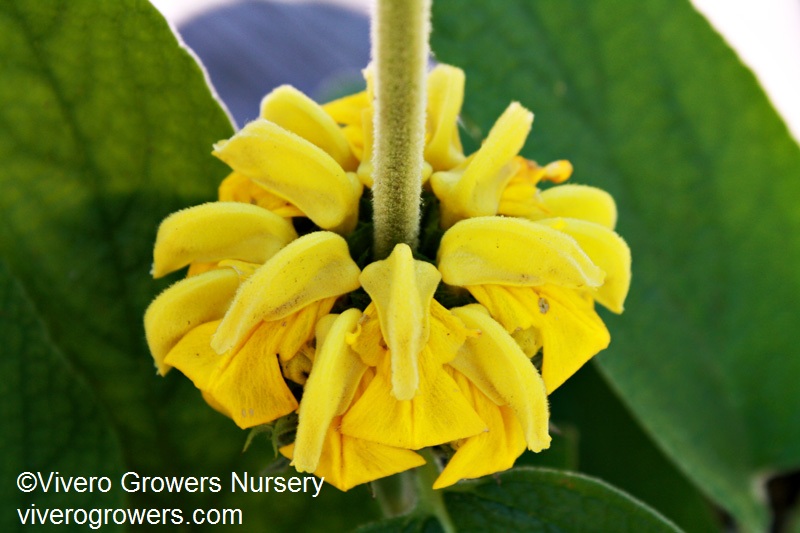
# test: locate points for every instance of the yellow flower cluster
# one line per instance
(251, 324)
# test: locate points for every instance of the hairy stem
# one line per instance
(430, 501)
(400, 53)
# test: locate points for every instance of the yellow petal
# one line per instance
(311, 268)
(346, 461)
(571, 331)
(521, 197)
(298, 328)
(367, 341)
(581, 201)
(364, 171)
(402, 289)
(298, 368)
(565, 321)
(219, 230)
(184, 306)
(439, 413)
(513, 307)
(607, 250)
(238, 188)
(214, 404)
(329, 390)
(513, 251)
(289, 108)
(347, 110)
(475, 188)
(447, 333)
(194, 357)
(489, 452)
(528, 340)
(499, 368)
(445, 96)
(297, 170)
(245, 385)
(248, 382)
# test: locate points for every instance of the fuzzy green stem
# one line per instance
(400, 52)
(430, 501)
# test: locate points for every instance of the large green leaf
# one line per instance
(612, 447)
(535, 500)
(107, 127)
(52, 424)
(650, 104)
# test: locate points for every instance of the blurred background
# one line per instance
(765, 34)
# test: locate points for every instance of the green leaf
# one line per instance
(52, 424)
(651, 105)
(533, 500)
(601, 427)
(107, 129)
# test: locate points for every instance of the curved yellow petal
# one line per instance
(564, 321)
(246, 385)
(346, 461)
(219, 230)
(193, 356)
(298, 368)
(298, 328)
(402, 290)
(439, 413)
(447, 333)
(248, 382)
(445, 96)
(498, 367)
(474, 189)
(485, 453)
(521, 197)
(607, 250)
(364, 171)
(572, 333)
(238, 188)
(289, 108)
(580, 201)
(347, 110)
(295, 169)
(513, 251)
(367, 341)
(329, 390)
(311, 268)
(184, 306)
(513, 307)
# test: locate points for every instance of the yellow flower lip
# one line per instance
(608, 251)
(296, 112)
(445, 97)
(581, 202)
(311, 268)
(499, 368)
(402, 290)
(475, 188)
(219, 230)
(294, 168)
(184, 306)
(513, 251)
(329, 390)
